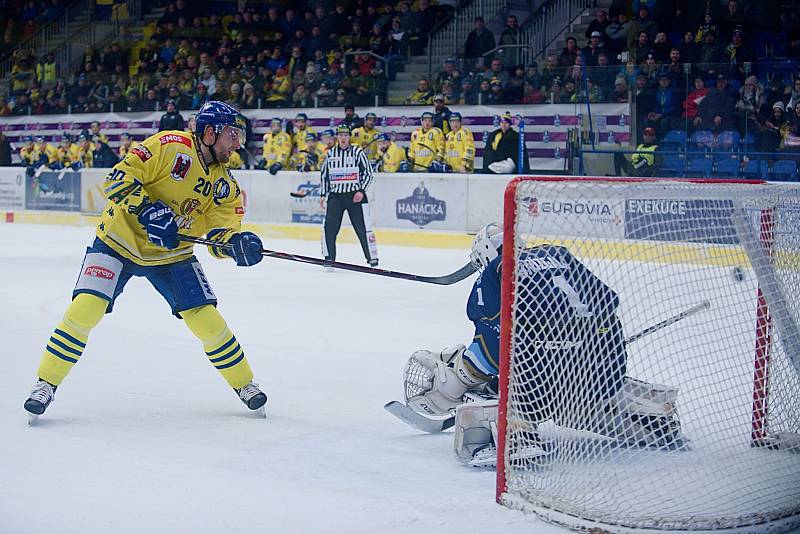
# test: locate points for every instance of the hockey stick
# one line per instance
(445, 280)
(432, 424)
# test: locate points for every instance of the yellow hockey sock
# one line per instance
(69, 339)
(220, 344)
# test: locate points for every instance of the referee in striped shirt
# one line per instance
(346, 174)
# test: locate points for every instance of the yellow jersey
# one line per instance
(29, 155)
(168, 166)
(299, 138)
(302, 162)
(84, 155)
(47, 149)
(366, 139)
(236, 161)
(277, 148)
(426, 146)
(392, 157)
(460, 150)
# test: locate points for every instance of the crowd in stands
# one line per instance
(269, 56)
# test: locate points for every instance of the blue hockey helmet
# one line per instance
(455, 116)
(218, 115)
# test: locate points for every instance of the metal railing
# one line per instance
(550, 21)
(452, 36)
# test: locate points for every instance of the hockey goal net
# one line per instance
(692, 425)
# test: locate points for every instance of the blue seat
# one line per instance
(726, 167)
(672, 166)
(784, 170)
(757, 169)
(728, 141)
(748, 141)
(701, 141)
(676, 137)
(699, 167)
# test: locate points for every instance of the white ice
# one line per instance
(144, 435)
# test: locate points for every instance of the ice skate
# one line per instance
(41, 396)
(254, 398)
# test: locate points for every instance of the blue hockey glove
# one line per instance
(274, 168)
(159, 223)
(404, 167)
(76, 166)
(245, 248)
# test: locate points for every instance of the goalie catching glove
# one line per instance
(436, 382)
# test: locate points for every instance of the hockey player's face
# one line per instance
(370, 122)
(427, 123)
(228, 140)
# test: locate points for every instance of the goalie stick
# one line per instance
(444, 280)
(433, 424)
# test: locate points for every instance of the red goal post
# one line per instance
(710, 239)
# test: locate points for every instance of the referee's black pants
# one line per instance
(337, 204)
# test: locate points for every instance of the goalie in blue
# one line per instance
(570, 356)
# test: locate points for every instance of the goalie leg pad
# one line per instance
(475, 428)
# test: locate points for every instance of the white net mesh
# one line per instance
(693, 426)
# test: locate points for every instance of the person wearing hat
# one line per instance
(345, 177)
(459, 146)
(665, 115)
(309, 159)
(277, 147)
(392, 157)
(644, 161)
(592, 50)
(738, 52)
(441, 114)
(366, 136)
(300, 131)
(427, 145)
(501, 153)
(773, 128)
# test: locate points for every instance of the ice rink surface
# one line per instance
(145, 436)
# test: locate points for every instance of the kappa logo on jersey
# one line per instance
(222, 190)
(173, 138)
(180, 167)
(143, 153)
(97, 271)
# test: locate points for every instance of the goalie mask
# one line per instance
(486, 246)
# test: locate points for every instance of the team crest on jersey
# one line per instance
(222, 189)
(180, 167)
(189, 205)
(143, 153)
(172, 138)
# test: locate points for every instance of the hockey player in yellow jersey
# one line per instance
(366, 136)
(277, 147)
(94, 131)
(171, 182)
(83, 153)
(301, 129)
(427, 145)
(310, 159)
(392, 156)
(47, 153)
(66, 154)
(27, 152)
(459, 146)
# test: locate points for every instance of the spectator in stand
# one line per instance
(450, 72)
(737, 53)
(599, 24)
(772, 129)
(716, 111)
(689, 48)
(469, 94)
(616, 38)
(666, 112)
(556, 91)
(550, 71)
(479, 41)
(693, 99)
(642, 23)
(497, 72)
(511, 35)
(423, 94)
(172, 119)
(620, 93)
(496, 94)
(794, 95)
(603, 74)
(501, 153)
(515, 86)
(748, 108)
(732, 19)
(531, 94)
(661, 47)
(641, 49)
(709, 55)
(351, 118)
(592, 51)
(645, 99)
(569, 53)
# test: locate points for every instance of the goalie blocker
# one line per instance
(572, 317)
